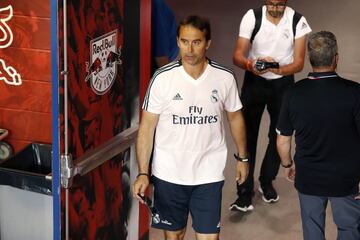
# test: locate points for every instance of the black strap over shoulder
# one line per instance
(296, 19)
(258, 19)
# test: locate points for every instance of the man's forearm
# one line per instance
(284, 149)
(145, 138)
(240, 53)
(240, 61)
(144, 145)
(238, 132)
(289, 69)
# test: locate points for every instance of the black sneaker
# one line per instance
(269, 193)
(243, 203)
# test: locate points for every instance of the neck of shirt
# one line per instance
(321, 75)
(196, 71)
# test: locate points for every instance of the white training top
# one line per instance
(276, 41)
(190, 147)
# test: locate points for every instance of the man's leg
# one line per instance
(313, 213)
(271, 163)
(171, 206)
(205, 210)
(252, 98)
(200, 236)
(346, 214)
(175, 235)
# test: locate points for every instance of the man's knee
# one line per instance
(346, 212)
(346, 222)
(200, 236)
(175, 235)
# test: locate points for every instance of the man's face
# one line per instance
(192, 44)
(275, 8)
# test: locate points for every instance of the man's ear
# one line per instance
(208, 44)
(336, 60)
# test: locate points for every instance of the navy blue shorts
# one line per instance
(173, 202)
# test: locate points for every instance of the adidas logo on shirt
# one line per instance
(304, 25)
(177, 97)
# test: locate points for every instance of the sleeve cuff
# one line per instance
(284, 132)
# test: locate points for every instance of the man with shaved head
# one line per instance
(270, 48)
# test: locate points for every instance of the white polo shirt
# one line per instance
(190, 147)
(276, 41)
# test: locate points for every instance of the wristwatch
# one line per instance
(241, 159)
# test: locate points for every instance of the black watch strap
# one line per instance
(140, 174)
(241, 159)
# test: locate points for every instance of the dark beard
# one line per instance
(276, 14)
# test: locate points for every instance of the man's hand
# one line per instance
(357, 197)
(267, 59)
(139, 187)
(242, 172)
(264, 59)
(254, 69)
(290, 173)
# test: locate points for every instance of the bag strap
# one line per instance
(258, 18)
(296, 19)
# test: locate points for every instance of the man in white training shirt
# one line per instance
(271, 48)
(185, 102)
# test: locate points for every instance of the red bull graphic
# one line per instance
(105, 58)
(8, 74)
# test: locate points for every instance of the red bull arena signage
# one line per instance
(104, 60)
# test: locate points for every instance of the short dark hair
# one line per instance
(198, 22)
(322, 48)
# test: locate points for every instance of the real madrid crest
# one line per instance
(214, 96)
(104, 58)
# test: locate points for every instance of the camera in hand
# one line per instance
(262, 65)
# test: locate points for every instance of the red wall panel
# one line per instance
(29, 8)
(26, 125)
(25, 110)
(31, 64)
(31, 32)
(30, 96)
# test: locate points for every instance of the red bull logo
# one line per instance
(8, 74)
(104, 58)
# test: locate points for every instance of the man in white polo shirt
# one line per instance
(185, 102)
(271, 48)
